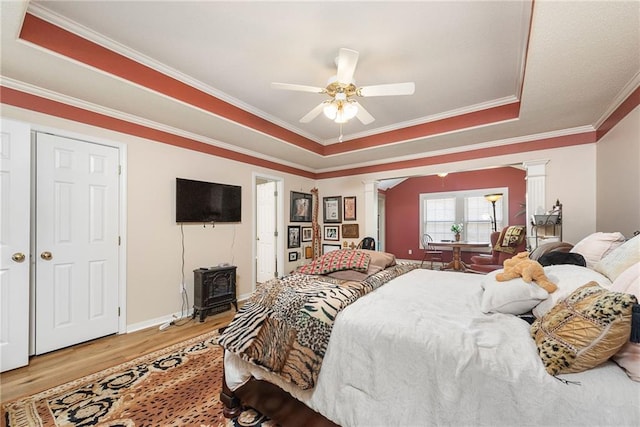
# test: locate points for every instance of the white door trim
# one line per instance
(255, 176)
(122, 220)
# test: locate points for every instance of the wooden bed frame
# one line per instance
(272, 401)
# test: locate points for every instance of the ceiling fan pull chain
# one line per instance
(340, 137)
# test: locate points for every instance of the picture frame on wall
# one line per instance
(327, 247)
(293, 236)
(332, 209)
(350, 231)
(308, 252)
(307, 234)
(332, 232)
(350, 208)
(301, 207)
(293, 256)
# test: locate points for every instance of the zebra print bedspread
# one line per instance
(285, 326)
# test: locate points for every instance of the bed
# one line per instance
(432, 348)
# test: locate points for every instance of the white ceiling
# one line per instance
(582, 59)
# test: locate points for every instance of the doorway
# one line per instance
(49, 169)
(269, 220)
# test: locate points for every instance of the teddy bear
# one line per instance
(521, 266)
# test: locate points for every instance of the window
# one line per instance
(438, 211)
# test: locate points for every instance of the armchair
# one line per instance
(495, 260)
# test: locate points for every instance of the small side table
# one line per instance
(456, 263)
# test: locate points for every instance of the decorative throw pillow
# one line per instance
(511, 297)
(620, 259)
(568, 278)
(510, 239)
(342, 259)
(356, 276)
(628, 357)
(583, 330)
(381, 259)
(557, 258)
(596, 246)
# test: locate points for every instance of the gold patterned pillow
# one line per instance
(583, 330)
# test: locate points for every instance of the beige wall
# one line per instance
(345, 187)
(154, 240)
(618, 170)
(571, 178)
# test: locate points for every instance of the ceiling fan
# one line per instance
(341, 88)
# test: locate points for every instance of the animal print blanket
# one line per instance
(285, 326)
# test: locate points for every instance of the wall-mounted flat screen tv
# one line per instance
(199, 201)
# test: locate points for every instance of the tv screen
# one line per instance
(199, 201)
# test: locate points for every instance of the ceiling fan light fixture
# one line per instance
(340, 111)
(341, 89)
(330, 110)
(349, 110)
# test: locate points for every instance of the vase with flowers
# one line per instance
(457, 229)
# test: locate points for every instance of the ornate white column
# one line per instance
(370, 228)
(536, 193)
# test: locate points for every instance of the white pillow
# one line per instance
(568, 278)
(514, 296)
(596, 246)
(629, 355)
(628, 281)
(620, 259)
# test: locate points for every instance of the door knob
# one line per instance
(46, 255)
(18, 257)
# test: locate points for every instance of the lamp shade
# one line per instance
(330, 110)
(340, 111)
(493, 197)
(350, 109)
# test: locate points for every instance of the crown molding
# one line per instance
(42, 12)
(129, 118)
(431, 118)
(622, 96)
(480, 146)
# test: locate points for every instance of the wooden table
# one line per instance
(456, 263)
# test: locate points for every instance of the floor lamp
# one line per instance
(493, 198)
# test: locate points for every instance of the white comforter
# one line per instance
(418, 351)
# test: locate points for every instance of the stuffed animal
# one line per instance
(521, 266)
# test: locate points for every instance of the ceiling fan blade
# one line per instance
(313, 113)
(347, 60)
(300, 88)
(363, 115)
(387, 90)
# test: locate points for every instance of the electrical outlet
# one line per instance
(410, 251)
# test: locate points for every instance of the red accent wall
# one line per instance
(402, 210)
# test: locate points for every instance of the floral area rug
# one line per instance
(176, 386)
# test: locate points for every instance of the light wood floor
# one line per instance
(58, 367)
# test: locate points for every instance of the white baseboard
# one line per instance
(157, 321)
